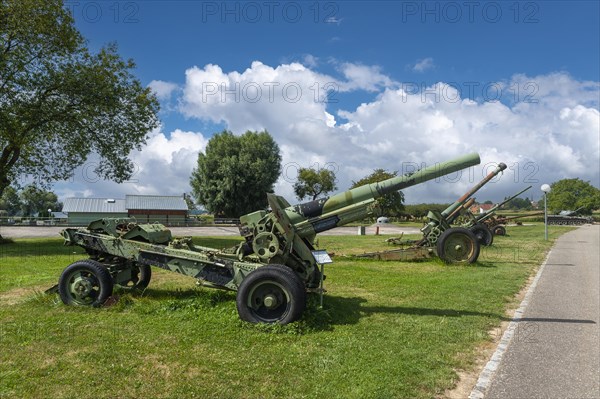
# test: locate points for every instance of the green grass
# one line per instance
(387, 330)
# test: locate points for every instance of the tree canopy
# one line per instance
(572, 194)
(30, 201)
(518, 203)
(234, 174)
(313, 183)
(60, 103)
(390, 204)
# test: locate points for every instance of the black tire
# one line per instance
(140, 278)
(271, 294)
(499, 231)
(483, 233)
(85, 283)
(458, 245)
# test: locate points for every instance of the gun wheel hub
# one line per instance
(82, 287)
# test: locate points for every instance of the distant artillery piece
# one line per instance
(464, 245)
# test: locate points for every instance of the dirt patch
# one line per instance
(468, 378)
(18, 295)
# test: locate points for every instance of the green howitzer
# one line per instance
(452, 244)
(497, 223)
(482, 217)
(271, 269)
(482, 224)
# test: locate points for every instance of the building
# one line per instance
(481, 208)
(82, 211)
(170, 210)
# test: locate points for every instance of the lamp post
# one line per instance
(546, 189)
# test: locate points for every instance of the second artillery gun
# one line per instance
(452, 244)
(271, 269)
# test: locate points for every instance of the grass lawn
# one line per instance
(387, 329)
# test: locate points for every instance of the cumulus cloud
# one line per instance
(551, 133)
(163, 167)
(423, 65)
(546, 135)
(363, 77)
(162, 89)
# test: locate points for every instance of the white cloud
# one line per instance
(162, 89)
(363, 77)
(556, 136)
(423, 65)
(163, 167)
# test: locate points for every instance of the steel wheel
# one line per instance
(86, 283)
(271, 294)
(500, 231)
(140, 278)
(458, 245)
(483, 233)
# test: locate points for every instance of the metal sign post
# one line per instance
(322, 258)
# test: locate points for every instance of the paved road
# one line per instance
(53, 231)
(555, 352)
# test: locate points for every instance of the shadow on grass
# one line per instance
(345, 311)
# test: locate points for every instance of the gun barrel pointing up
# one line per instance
(360, 196)
(491, 211)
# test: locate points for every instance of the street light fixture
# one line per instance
(546, 189)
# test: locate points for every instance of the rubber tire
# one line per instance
(499, 231)
(282, 277)
(98, 272)
(483, 234)
(441, 252)
(145, 275)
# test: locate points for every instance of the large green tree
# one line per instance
(10, 201)
(59, 102)
(390, 204)
(36, 200)
(313, 183)
(571, 194)
(235, 173)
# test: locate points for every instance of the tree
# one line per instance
(518, 203)
(571, 194)
(189, 201)
(37, 200)
(59, 102)
(390, 204)
(312, 183)
(421, 210)
(235, 173)
(10, 201)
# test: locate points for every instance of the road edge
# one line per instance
(486, 375)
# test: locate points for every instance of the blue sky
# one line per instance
(539, 58)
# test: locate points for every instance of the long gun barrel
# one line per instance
(340, 209)
(490, 212)
(459, 202)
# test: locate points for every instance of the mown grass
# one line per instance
(387, 329)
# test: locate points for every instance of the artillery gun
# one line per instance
(271, 269)
(481, 225)
(452, 244)
(497, 224)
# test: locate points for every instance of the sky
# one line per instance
(354, 85)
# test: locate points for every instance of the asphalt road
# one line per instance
(555, 352)
(53, 231)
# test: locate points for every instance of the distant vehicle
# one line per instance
(382, 220)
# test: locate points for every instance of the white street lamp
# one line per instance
(546, 189)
